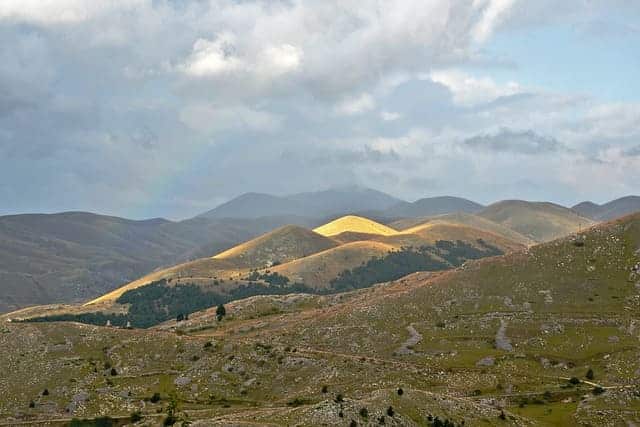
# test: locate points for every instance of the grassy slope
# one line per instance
(538, 221)
(563, 308)
(356, 224)
(282, 245)
(462, 219)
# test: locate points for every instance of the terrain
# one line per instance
(539, 221)
(547, 336)
(608, 211)
(73, 256)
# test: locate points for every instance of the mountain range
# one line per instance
(75, 256)
(544, 336)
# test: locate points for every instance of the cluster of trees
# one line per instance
(410, 260)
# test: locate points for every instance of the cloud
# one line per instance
(121, 106)
(468, 90)
(356, 105)
(212, 57)
(507, 140)
(209, 119)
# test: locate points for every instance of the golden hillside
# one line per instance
(319, 269)
(279, 246)
(355, 224)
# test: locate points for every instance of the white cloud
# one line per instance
(493, 12)
(389, 116)
(356, 105)
(212, 57)
(468, 90)
(61, 11)
(281, 59)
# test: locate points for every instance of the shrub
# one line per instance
(135, 416)
(114, 372)
(400, 392)
(32, 404)
(390, 411)
(45, 392)
(589, 374)
(325, 389)
(339, 398)
(597, 390)
(208, 344)
(364, 413)
(155, 398)
(574, 381)
(221, 311)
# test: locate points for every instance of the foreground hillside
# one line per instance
(547, 337)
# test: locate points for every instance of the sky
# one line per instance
(150, 108)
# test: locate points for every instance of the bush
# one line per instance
(364, 413)
(114, 372)
(339, 398)
(155, 398)
(325, 389)
(45, 392)
(135, 416)
(400, 392)
(390, 411)
(574, 381)
(597, 390)
(589, 374)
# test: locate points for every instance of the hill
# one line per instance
(333, 202)
(73, 256)
(539, 221)
(354, 224)
(279, 246)
(608, 211)
(319, 269)
(544, 337)
(409, 225)
(432, 206)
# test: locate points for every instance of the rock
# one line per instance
(182, 381)
(486, 361)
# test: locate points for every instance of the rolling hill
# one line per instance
(276, 247)
(72, 256)
(608, 211)
(544, 337)
(539, 221)
(354, 224)
(463, 219)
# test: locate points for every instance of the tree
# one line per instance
(180, 317)
(590, 375)
(221, 311)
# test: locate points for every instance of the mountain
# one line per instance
(432, 206)
(72, 256)
(354, 224)
(279, 246)
(319, 204)
(539, 221)
(409, 225)
(614, 209)
(543, 337)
